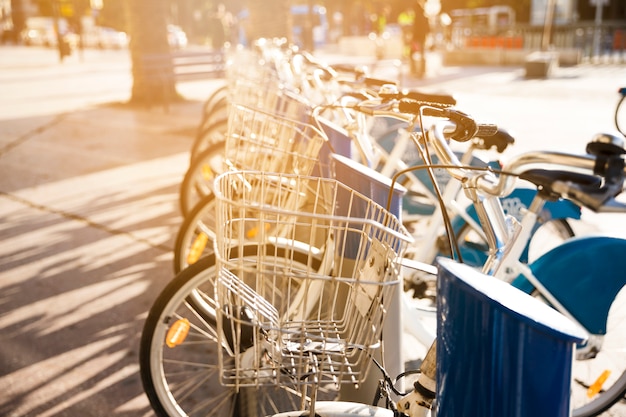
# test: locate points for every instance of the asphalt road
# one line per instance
(88, 208)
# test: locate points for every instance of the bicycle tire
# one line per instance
(198, 180)
(617, 390)
(607, 400)
(620, 126)
(219, 111)
(210, 102)
(212, 134)
(170, 397)
(196, 234)
(572, 273)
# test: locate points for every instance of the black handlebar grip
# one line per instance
(377, 82)
(486, 129)
(442, 99)
(414, 107)
(500, 140)
(346, 68)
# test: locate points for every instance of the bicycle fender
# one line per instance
(584, 274)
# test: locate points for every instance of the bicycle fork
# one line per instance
(419, 402)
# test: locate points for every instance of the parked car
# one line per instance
(112, 39)
(39, 36)
(39, 31)
(104, 38)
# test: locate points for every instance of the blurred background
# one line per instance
(317, 23)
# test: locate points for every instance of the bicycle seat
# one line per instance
(544, 180)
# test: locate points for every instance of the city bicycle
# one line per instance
(206, 275)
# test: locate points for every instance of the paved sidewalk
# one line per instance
(88, 215)
(89, 209)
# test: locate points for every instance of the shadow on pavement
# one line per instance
(88, 216)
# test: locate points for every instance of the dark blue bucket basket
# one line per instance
(500, 352)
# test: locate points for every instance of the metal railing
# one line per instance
(605, 43)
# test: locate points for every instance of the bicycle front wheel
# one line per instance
(196, 234)
(213, 132)
(184, 380)
(198, 180)
(599, 380)
(583, 275)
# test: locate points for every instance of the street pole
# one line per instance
(57, 31)
(547, 26)
(598, 26)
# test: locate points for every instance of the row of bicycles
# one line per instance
(319, 206)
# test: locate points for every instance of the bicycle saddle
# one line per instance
(545, 179)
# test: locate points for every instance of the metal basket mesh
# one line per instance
(307, 267)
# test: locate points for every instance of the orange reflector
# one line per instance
(177, 333)
(207, 172)
(596, 387)
(197, 248)
(252, 233)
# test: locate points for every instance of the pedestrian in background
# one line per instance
(421, 29)
(405, 21)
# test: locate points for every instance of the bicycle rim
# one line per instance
(213, 103)
(198, 180)
(196, 234)
(184, 380)
(213, 133)
(610, 361)
(547, 236)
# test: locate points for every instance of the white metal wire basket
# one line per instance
(270, 96)
(303, 297)
(267, 141)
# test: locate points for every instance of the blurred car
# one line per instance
(104, 38)
(39, 37)
(112, 39)
(176, 37)
(40, 31)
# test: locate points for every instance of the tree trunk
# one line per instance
(147, 26)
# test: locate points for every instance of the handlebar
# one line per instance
(466, 127)
(596, 195)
